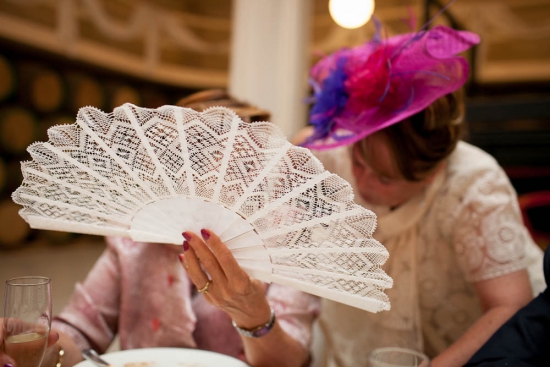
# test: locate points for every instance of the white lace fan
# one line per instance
(150, 174)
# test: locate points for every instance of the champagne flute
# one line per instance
(397, 357)
(27, 319)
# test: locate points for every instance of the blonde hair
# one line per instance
(219, 97)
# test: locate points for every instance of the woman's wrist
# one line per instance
(257, 313)
(259, 330)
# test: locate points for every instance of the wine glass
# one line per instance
(27, 319)
(397, 357)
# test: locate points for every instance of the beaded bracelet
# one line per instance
(258, 331)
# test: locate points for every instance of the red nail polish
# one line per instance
(205, 234)
(185, 245)
(187, 236)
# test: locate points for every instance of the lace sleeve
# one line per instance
(488, 232)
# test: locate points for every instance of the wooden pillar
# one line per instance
(270, 58)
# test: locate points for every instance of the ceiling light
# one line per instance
(351, 13)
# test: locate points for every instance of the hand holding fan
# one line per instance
(151, 174)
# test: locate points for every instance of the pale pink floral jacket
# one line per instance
(140, 292)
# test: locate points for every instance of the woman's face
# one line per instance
(378, 180)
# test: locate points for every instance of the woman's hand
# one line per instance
(6, 360)
(217, 275)
(211, 266)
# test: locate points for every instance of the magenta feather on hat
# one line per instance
(361, 90)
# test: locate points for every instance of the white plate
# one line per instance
(167, 357)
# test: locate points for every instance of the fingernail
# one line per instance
(181, 257)
(205, 234)
(185, 245)
(8, 365)
(187, 236)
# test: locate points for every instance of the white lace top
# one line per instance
(464, 228)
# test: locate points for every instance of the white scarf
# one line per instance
(351, 333)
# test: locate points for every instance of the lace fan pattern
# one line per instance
(150, 174)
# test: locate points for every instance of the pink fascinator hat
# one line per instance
(361, 90)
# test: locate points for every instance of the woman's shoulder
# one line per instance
(469, 165)
(469, 159)
(474, 181)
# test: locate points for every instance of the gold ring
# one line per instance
(205, 288)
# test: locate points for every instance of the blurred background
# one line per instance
(59, 55)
